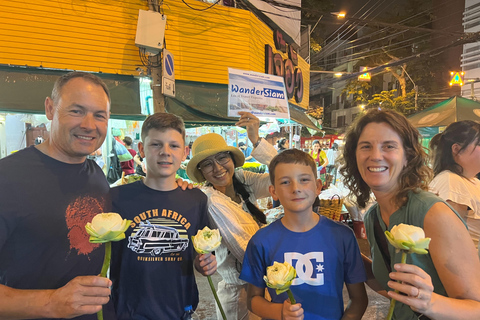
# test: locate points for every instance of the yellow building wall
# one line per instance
(88, 35)
(99, 36)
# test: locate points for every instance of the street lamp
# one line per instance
(339, 15)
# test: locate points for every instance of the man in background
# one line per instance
(247, 151)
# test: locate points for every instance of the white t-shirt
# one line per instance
(450, 186)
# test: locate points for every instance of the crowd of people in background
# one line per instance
(382, 159)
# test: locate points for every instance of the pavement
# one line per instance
(377, 305)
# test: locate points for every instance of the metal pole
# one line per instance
(472, 90)
(416, 97)
(414, 87)
(316, 24)
(290, 136)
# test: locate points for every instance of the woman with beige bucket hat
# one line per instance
(232, 195)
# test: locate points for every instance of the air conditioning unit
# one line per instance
(150, 31)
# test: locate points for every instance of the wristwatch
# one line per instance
(257, 143)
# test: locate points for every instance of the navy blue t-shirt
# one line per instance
(152, 268)
(44, 206)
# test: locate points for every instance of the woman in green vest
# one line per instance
(383, 155)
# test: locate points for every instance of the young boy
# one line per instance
(324, 253)
(152, 268)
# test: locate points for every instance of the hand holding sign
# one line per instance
(252, 125)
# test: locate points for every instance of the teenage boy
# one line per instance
(152, 268)
(324, 253)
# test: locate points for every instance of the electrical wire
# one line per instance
(327, 51)
(353, 26)
(362, 55)
(321, 54)
(433, 52)
(204, 9)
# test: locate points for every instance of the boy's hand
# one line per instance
(292, 311)
(206, 264)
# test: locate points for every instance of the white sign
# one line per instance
(168, 74)
(261, 94)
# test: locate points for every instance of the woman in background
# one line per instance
(456, 162)
(320, 158)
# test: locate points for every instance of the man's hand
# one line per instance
(206, 264)
(82, 295)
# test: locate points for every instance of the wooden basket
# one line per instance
(331, 208)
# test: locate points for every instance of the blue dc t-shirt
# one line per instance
(325, 257)
(44, 207)
(152, 268)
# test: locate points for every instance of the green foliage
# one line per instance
(359, 89)
(391, 100)
(315, 46)
(254, 167)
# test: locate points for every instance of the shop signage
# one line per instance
(286, 68)
(260, 94)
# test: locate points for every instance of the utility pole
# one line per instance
(155, 66)
(156, 84)
(415, 87)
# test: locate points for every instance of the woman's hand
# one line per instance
(416, 285)
(184, 184)
(206, 264)
(252, 125)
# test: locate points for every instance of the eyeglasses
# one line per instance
(221, 158)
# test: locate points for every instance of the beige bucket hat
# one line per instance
(206, 146)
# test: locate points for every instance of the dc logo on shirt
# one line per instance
(309, 267)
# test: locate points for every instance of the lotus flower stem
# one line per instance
(216, 298)
(290, 296)
(392, 302)
(106, 260)
(103, 273)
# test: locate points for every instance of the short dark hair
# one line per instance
(315, 142)
(241, 144)
(415, 175)
(291, 156)
(281, 142)
(163, 121)
(462, 133)
(128, 141)
(64, 79)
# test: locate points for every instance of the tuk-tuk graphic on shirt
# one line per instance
(156, 239)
